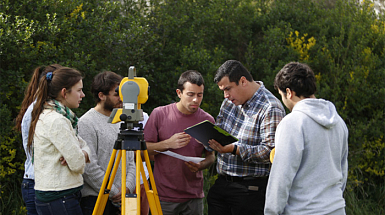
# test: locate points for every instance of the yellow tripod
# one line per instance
(129, 140)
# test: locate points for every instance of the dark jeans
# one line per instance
(88, 203)
(66, 205)
(233, 197)
(28, 193)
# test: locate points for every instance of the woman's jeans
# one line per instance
(28, 193)
(66, 205)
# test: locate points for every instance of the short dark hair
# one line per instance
(191, 76)
(298, 77)
(104, 82)
(234, 70)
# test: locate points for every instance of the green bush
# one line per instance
(343, 41)
(344, 45)
(88, 35)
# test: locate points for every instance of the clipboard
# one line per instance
(206, 130)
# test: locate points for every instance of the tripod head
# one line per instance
(133, 91)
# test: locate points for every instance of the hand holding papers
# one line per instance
(181, 157)
(205, 131)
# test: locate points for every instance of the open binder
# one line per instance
(205, 131)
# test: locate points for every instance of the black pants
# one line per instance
(232, 196)
(88, 203)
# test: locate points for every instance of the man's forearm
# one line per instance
(210, 158)
(159, 146)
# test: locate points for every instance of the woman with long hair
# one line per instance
(23, 122)
(54, 141)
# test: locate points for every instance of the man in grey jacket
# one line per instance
(309, 170)
(100, 137)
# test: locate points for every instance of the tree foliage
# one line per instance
(342, 41)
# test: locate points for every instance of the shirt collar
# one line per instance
(252, 101)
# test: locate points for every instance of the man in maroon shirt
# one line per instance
(179, 183)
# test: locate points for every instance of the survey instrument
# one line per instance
(133, 92)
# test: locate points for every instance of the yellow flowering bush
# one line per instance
(301, 44)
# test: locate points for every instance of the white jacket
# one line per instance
(55, 138)
(309, 170)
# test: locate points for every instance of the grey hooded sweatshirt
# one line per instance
(309, 171)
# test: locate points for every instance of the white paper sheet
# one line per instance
(181, 157)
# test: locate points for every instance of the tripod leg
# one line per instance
(152, 195)
(139, 171)
(148, 192)
(129, 201)
(104, 191)
(124, 163)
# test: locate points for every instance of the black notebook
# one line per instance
(205, 131)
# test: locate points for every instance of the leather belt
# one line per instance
(237, 179)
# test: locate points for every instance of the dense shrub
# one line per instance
(343, 41)
(345, 46)
(88, 35)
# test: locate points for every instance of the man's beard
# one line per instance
(109, 105)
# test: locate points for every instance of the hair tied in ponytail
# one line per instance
(49, 76)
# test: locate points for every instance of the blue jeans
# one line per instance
(28, 193)
(66, 205)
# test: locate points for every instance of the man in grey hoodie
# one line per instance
(309, 171)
